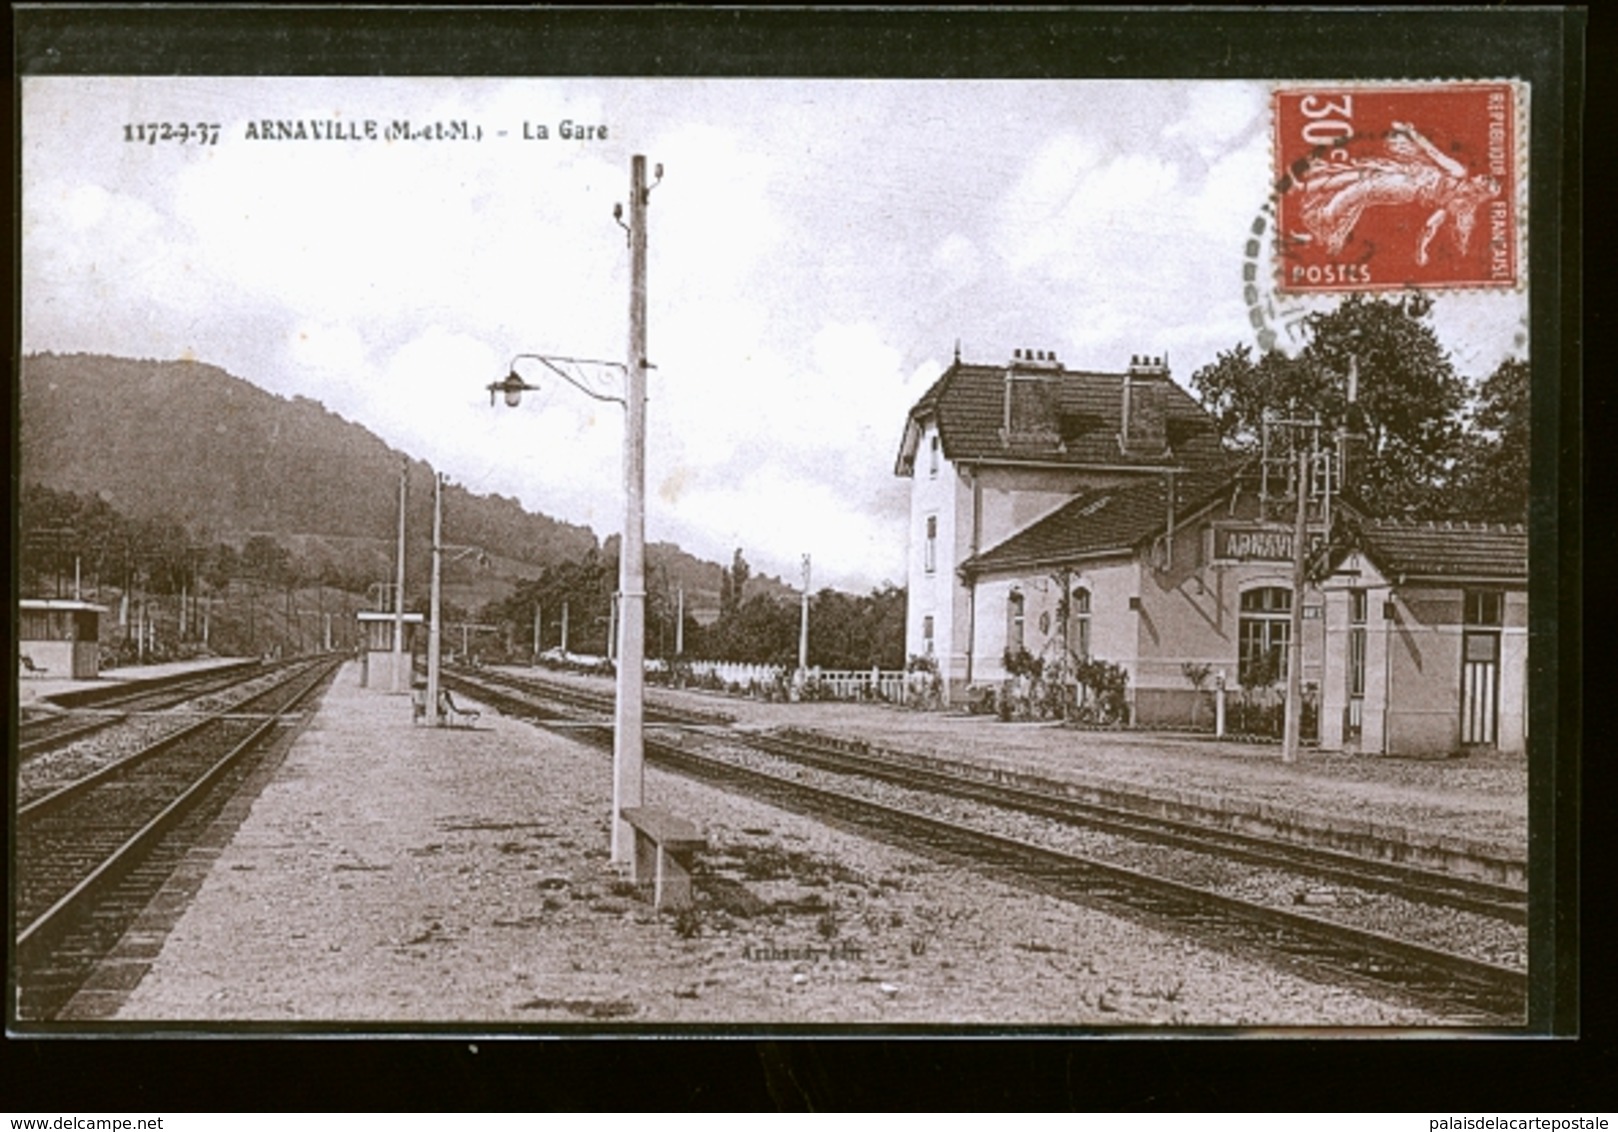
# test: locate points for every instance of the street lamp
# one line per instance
(594, 379)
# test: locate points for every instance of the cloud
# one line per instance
(1216, 112)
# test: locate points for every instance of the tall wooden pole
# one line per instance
(398, 588)
(1294, 704)
(435, 632)
(803, 624)
(628, 715)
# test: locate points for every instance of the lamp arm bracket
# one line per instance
(584, 374)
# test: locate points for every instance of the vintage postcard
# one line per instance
(556, 554)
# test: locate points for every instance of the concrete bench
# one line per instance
(664, 846)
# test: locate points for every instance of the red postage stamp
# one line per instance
(1388, 187)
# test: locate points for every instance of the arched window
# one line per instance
(1078, 623)
(1263, 629)
(1014, 621)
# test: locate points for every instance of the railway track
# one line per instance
(1463, 893)
(582, 699)
(48, 731)
(91, 854)
(1483, 992)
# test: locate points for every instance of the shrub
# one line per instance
(1021, 662)
(924, 687)
(1106, 690)
(981, 699)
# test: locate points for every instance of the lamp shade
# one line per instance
(512, 387)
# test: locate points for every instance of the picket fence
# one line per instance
(841, 684)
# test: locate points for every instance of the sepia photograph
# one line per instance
(568, 554)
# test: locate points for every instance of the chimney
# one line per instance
(1143, 421)
(1030, 400)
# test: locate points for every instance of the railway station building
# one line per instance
(1096, 514)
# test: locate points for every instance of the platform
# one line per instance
(31, 688)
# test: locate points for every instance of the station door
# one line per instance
(1480, 689)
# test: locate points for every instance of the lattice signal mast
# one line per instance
(1303, 466)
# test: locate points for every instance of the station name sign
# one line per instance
(1251, 542)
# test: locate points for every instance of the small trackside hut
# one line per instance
(59, 638)
(376, 657)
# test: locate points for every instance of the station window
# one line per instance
(1263, 629)
(932, 456)
(1483, 607)
(1014, 621)
(1078, 624)
(927, 635)
(931, 552)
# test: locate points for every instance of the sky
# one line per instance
(818, 250)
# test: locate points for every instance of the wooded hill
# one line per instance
(189, 442)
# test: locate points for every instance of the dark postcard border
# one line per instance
(1543, 46)
(820, 42)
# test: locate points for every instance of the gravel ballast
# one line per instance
(392, 874)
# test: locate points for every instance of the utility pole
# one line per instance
(803, 626)
(539, 626)
(629, 712)
(435, 617)
(398, 589)
(679, 622)
(564, 628)
(1294, 704)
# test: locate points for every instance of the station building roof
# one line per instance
(1118, 520)
(1448, 551)
(1083, 413)
(1102, 522)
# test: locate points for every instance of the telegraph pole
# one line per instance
(803, 626)
(398, 589)
(1294, 704)
(435, 634)
(628, 752)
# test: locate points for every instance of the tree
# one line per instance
(1410, 399)
(1492, 477)
(733, 584)
(849, 631)
(265, 560)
